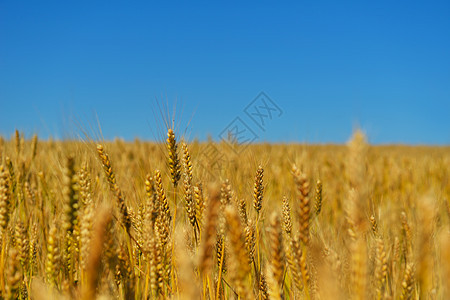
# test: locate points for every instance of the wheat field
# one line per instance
(141, 220)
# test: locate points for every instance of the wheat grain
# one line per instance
(258, 189)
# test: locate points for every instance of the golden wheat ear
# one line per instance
(240, 267)
(14, 276)
(258, 189)
(5, 200)
(52, 263)
(276, 258)
(318, 197)
(94, 259)
(174, 161)
(302, 184)
(209, 232)
(287, 221)
(188, 191)
(111, 178)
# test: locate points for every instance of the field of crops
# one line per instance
(175, 220)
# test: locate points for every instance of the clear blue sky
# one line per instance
(330, 66)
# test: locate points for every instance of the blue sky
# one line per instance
(330, 66)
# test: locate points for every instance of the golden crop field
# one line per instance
(176, 220)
